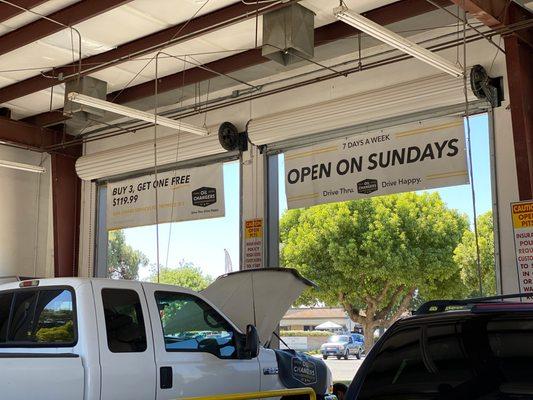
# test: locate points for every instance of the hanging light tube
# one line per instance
(136, 114)
(22, 167)
(393, 39)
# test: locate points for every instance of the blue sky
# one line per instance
(203, 242)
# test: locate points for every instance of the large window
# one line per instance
(205, 248)
(124, 321)
(190, 324)
(38, 318)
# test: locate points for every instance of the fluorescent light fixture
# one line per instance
(22, 167)
(136, 114)
(393, 39)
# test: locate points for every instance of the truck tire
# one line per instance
(339, 357)
(325, 357)
(358, 354)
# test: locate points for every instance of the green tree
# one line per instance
(374, 256)
(466, 256)
(186, 275)
(123, 261)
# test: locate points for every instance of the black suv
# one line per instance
(476, 349)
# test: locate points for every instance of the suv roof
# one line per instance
(478, 305)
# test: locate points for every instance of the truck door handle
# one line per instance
(165, 376)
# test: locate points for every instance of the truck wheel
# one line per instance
(339, 357)
(358, 354)
(325, 357)
(346, 354)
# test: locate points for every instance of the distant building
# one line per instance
(306, 319)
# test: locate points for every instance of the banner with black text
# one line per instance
(182, 195)
(423, 155)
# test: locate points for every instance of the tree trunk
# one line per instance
(368, 330)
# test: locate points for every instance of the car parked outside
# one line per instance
(342, 346)
(477, 349)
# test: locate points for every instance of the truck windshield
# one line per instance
(480, 357)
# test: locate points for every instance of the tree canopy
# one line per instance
(186, 275)
(123, 261)
(373, 256)
(465, 256)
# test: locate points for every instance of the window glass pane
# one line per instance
(484, 357)
(190, 324)
(398, 363)
(40, 317)
(20, 329)
(5, 305)
(124, 321)
(54, 317)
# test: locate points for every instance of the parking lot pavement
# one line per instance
(343, 370)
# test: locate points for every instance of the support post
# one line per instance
(519, 60)
(66, 216)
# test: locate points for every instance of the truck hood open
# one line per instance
(260, 297)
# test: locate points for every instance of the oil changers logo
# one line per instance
(367, 186)
(303, 371)
(204, 196)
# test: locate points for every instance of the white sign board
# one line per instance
(422, 155)
(187, 194)
(522, 214)
(294, 342)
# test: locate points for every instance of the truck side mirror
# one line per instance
(251, 346)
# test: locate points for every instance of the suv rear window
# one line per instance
(483, 357)
(37, 317)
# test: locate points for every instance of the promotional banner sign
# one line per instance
(422, 155)
(522, 214)
(182, 195)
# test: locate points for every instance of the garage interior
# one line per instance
(284, 74)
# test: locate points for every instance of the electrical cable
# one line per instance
(175, 169)
(441, 46)
(470, 161)
(467, 23)
(58, 23)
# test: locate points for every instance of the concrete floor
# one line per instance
(343, 370)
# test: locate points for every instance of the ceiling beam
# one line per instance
(384, 15)
(136, 48)
(499, 14)
(8, 11)
(490, 12)
(32, 137)
(71, 15)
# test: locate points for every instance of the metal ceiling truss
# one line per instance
(41, 28)
(384, 15)
(7, 11)
(136, 48)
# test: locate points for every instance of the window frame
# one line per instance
(235, 331)
(143, 313)
(12, 344)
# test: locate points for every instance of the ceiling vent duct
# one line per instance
(288, 34)
(82, 115)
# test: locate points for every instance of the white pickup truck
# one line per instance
(102, 339)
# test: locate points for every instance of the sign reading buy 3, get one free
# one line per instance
(181, 195)
(421, 155)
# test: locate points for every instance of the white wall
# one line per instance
(478, 53)
(26, 236)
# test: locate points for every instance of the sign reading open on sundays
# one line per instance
(186, 194)
(422, 155)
